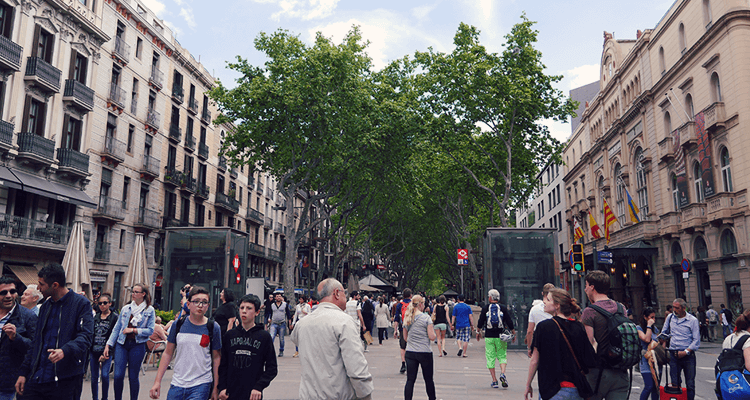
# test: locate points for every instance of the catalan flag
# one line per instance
(577, 230)
(632, 209)
(595, 231)
(609, 219)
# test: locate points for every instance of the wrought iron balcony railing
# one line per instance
(117, 95)
(193, 106)
(153, 119)
(80, 94)
(122, 49)
(202, 150)
(114, 148)
(43, 73)
(10, 54)
(222, 163)
(150, 165)
(14, 227)
(111, 208)
(73, 159)
(190, 142)
(202, 190)
(227, 202)
(177, 94)
(175, 132)
(148, 218)
(206, 116)
(101, 252)
(34, 144)
(157, 78)
(6, 133)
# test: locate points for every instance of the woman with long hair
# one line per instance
(300, 311)
(440, 315)
(129, 337)
(226, 314)
(418, 334)
(648, 333)
(561, 374)
(382, 318)
(741, 328)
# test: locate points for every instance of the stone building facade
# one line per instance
(667, 128)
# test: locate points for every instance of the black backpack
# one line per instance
(623, 348)
(209, 326)
(731, 382)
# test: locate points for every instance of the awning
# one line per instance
(7, 179)
(43, 187)
(26, 274)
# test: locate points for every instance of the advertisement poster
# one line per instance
(679, 169)
(704, 155)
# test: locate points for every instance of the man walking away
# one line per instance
(713, 322)
(17, 327)
(726, 320)
(328, 337)
(685, 339)
(278, 321)
(495, 319)
(463, 323)
(53, 366)
(536, 315)
(354, 309)
(398, 327)
(368, 313)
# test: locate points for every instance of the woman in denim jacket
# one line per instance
(129, 337)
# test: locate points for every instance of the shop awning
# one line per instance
(43, 187)
(7, 179)
(28, 275)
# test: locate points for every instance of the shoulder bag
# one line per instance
(585, 389)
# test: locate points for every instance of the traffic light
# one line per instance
(578, 264)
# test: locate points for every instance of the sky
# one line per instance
(570, 31)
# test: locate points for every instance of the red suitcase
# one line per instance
(670, 392)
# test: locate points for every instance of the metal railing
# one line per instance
(256, 249)
(122, 49)
(156, 78)
(268, 222)
(202, 190)
(233, 173)
(175, 132)
(44, 71)
(178, 94)
(153, 118)
(117, 95)
(190, 142)
(148, 218)
(73, 159)
(193, 105)
(254, 215)
(15, 227)
(151, 165)
(227, 202)
(222, 163)
(202, 150)
(111, 207)
(34, 144)
(206, 116)
(101, 251)
(10, 53)
(114, 147)
(173, 176)
(6, 132)
(134, 105)
(79, 92)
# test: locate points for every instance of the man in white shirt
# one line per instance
(328, 337)
(536, 315)
(354, 309)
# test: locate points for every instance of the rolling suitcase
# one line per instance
(669, 392)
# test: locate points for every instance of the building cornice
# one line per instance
(79, 16)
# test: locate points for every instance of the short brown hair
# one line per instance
(743, 321)
(546, 288)
(599, 280)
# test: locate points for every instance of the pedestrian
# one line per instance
(278, 321)
(726, 320)
(685, 338)
(383, 319)
(104, 323)
(495, 319)
(127, 342)
(160, 335)
(300, 311)
(53, 367)
(440, 318)
(463, 323)
(703, 321)
(17, 327)
(668, 312)
(648, 332)
(562, 353)
(226, 314)
(608, 383)
(196, 351)
(248, 360)
(418, 333)
(354, 309)
(713, 323)
(368, 313)
(332, 362)
(398, 325)
(536, 315)
(742, 329)
(267, 313)
(30, 298)
(184, 309)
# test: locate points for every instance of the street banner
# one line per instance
(704, 155)
(680, 170)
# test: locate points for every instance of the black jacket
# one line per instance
(507, 321)
(248, 361)
(12, 352)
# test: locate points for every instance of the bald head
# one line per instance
(332, 291)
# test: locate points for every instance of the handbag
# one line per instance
(368, 337)
(584, 389)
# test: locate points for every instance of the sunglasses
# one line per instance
(5, 292)
(134, 292)
(103, 303)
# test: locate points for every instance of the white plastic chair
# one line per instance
(158, 347)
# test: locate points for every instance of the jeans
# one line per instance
(650, 388)
(7, 395)
(382, 334)
(278, 329)
(64, 389)
(566, 394)
(413, 361)
(130, 354)
(613, 385)
(687, 364)
(200, 392)
(95, 368)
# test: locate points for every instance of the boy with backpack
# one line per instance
(732, 377)
(615, 338)
(495, 319)
(195, 342)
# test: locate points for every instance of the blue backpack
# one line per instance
(731, 376)
(494, 317)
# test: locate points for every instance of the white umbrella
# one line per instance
(137, 269)
(75, 264)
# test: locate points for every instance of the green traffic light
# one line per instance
(578, 267)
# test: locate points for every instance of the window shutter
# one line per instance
(50, 47)
(26, 110)
(35, 48)
(83, 73)
(42, 119)
(67, 134)
(72, 69)
(8, 22)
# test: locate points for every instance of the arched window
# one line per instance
(667, 123)
(641, 183)
(700, 249)
(675, 193)
(726, 170)
(681, 33)
(698, 182)
(676, 253)
(715, 87)
(728, 243)
(662, 64)
(600, 186)
(620, 193)
(707, 19)
(689, 105)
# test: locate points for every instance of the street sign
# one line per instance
(685, 265)
(463, 257)
(238, 279)
(236, 263)
(604, 257)
(685, 275)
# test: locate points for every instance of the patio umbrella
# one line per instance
(75, 264)
(137, 269)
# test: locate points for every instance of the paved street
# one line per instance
(455, 378)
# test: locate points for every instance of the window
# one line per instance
(676, 253)
(715, 87)
(662, 64)
(728, 243)
(122, 238)
(620, 193)
(78, 67)
(689, 109)
(71, 138)
(202, 174)
(44, 44)
(667, 123)
(681, 34)
(172, 157)
(675, 193)
(6, 21)
(601, 193)
(641, 184)
(125, 191)
(707, 19)
(170, 205)
(700, 249)
(134, 97)
(698, 181)
(151, 100)
(188, 162)
(35, 113)
(220, 183)
(177, 84)
(111, 131)
(219, 218)
(726, 170)
(200, 215)
(189, 130)
(139, 46)
(185, 210)
(131, 137)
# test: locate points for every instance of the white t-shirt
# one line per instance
(352, 306)
(537, 314)
(192, 359)
(732, 339)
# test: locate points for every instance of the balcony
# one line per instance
(206, 116)
(43, 74)
(10, 55)
(178, 95)
(114, 150)
(190, 143)
(715, 116)
(192, 106)
(175, 132)
(153, 120)
(256, 249)
(116, 98)
(39, 233)
(255, 216)
(222, 163)
(172, 176)
(110, 209)
(202, 191)
(171, 222)
(150, 167)
(31, 145)
(80, 95)
(277, 227)
(147, 219)
(134, 106)
(666, 150)
(156, 79)
(268, 222)
(669, 223)
(101, 252)
(6, 134)
(227, 202)
(73, 161)
(187, 183)
(275, 255)
(202, 150)
(233, 173)
(687, 135)
(121, 53)
(723, 207)
(693, 217)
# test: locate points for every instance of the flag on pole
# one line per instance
(609, 219)
(632, 209)
(577, 230)
(595, 231)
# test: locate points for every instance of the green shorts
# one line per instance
(495, 349)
